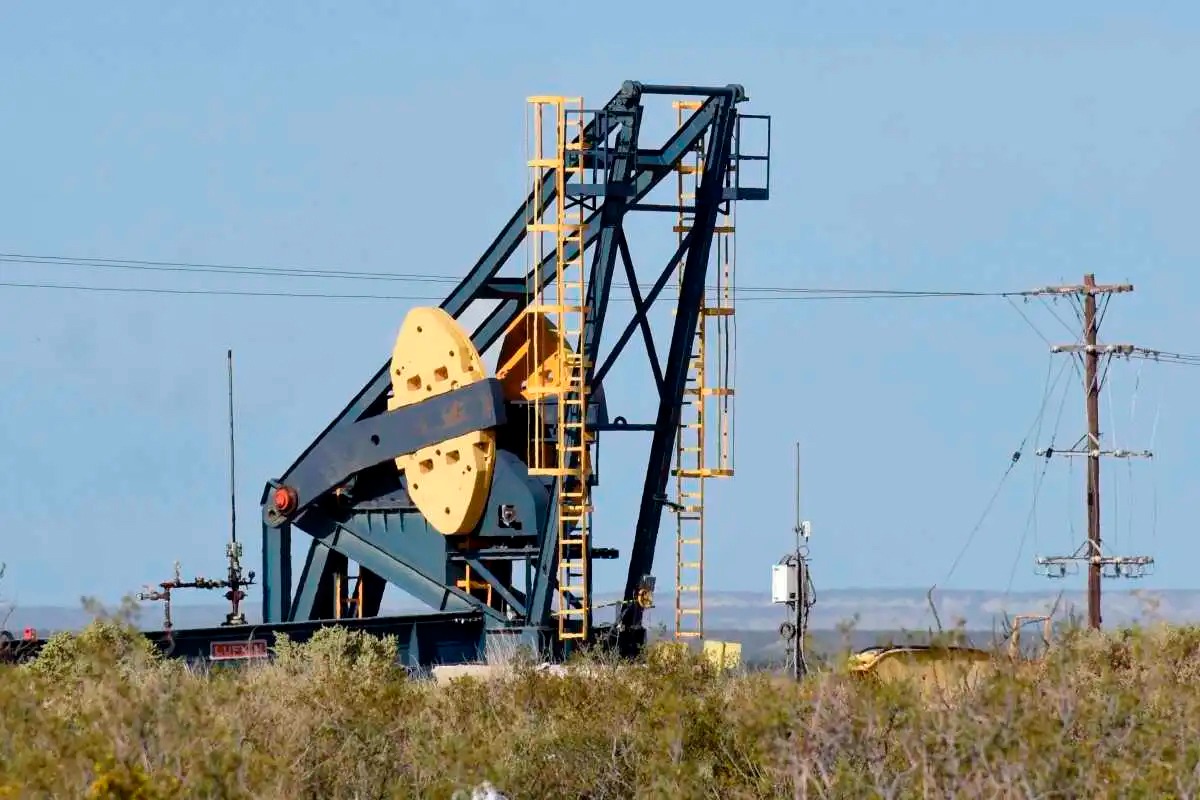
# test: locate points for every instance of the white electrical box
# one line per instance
(784, 583)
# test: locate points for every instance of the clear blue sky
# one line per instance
(942, 145)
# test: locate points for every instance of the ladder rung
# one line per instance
(557, 308)
(703, 472)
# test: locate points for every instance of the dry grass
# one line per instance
(99, 716)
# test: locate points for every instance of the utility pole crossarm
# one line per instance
(1096, 349)
(1096, 452)
(1090, 289)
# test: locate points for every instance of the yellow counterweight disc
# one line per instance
(448, 482)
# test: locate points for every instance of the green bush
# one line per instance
(100, 715)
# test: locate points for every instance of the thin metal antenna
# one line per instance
(233, 551)
(234, 580)
(232, 474)
(798, 526)
(791, 585)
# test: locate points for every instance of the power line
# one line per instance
(145, 265)
(224, 292)
(1016, 456)
(795, 295)
(1163, 356)
(142, 265)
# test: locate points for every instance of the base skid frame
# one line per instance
(423, 640)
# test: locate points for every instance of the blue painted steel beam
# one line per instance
(423, 640)
(374, 440)
(639, 313)
(395, 558)
(372, 591)
(733, 92)
(639, 316)
(498, 585)
(276, 572)
(346, 451)
(708, 198)
(495, 554)
(503, 289)
(625, 426)
(314, 600)
(644, 182)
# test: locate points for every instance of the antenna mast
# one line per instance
(232, 479)
(233, 551)
(1091, 551)
(791, 585)
(234, 580)
(798, 527)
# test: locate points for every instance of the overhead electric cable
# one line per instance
(1047, 391)
(786, 292)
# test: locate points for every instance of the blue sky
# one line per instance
(939, 145)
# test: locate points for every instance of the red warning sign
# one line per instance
(231, 651)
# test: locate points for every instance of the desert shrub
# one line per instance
(99, 714)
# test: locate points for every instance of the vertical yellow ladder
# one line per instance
(692, 455)
(563, 300)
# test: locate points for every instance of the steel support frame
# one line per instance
(709, 197)
(631, 175)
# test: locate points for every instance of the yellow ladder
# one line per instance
(692, 455)
(563, 300)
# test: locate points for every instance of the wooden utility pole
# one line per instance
(1099, 565)
(1091, 381)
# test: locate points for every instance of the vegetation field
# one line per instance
(98, 715)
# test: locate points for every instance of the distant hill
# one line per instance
(877, 610)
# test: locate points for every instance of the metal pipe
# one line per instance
(733, 90)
